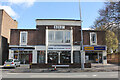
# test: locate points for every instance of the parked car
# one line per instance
(12, 63)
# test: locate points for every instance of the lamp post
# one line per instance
(81, 50)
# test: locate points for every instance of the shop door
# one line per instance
(24, 58)
(53, 58)
(30, 58)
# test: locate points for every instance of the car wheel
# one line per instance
(15, 66)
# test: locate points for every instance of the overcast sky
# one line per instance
(26, 12)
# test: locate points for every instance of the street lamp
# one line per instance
(81, 50)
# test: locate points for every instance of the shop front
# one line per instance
(95, 54)
(59, 54)
(93, 57)
(24, 55)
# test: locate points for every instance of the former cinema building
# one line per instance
(56, 41)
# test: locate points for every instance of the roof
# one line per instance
(60, 19)
(71, 22)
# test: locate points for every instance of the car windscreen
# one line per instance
(9, 60)
(16, 61)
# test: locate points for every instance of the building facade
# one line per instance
(4, 49)
(56, 41)
(6, 23)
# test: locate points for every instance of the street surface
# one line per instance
(62, 75)
(97, 71)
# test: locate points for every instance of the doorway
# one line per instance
(93, 57)
(25, 57)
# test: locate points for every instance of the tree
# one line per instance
(109, 14)
(109, 20)
(111, 41)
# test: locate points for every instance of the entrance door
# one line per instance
(53, 58)
(93, 57)
(30, 58)
(25, 57)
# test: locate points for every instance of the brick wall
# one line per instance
(113, 58)
(37, 36)
(7, 23)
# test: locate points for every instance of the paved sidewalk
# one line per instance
(95, 68)
(1, 66)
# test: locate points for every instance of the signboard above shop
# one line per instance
(94, 48)
(21, 49)
(59, 47)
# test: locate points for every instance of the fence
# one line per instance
(113, 58)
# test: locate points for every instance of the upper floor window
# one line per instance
(61, 36)
(23, 38)
(93, 38)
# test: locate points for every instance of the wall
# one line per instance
(113, 58)
(0, 20)
(3, 50)
(0, 50)
(37, 36)
(7, 24)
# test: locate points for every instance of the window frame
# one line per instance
(55, 42)
(25, 43)
(91, 42)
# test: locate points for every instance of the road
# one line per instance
(62, 75)
(105, 71)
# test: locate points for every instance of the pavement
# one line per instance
(94, 68)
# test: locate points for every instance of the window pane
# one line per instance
(67, 37)
(50, 35)
(59, 36)
(93, 38)
(23, 37)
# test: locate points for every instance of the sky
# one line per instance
(27, 12)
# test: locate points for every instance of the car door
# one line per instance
(15, 61)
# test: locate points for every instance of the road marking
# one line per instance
(94, 75)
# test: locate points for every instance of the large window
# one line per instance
(93, 38)
(51, 36)
(40, 56)
(23, 38)
(60, 36)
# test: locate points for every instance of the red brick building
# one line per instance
(6, 23)
(57, 41)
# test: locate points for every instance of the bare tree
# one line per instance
(109, 18)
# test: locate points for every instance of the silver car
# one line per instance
(12, 63)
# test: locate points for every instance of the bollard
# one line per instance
(55, 67)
